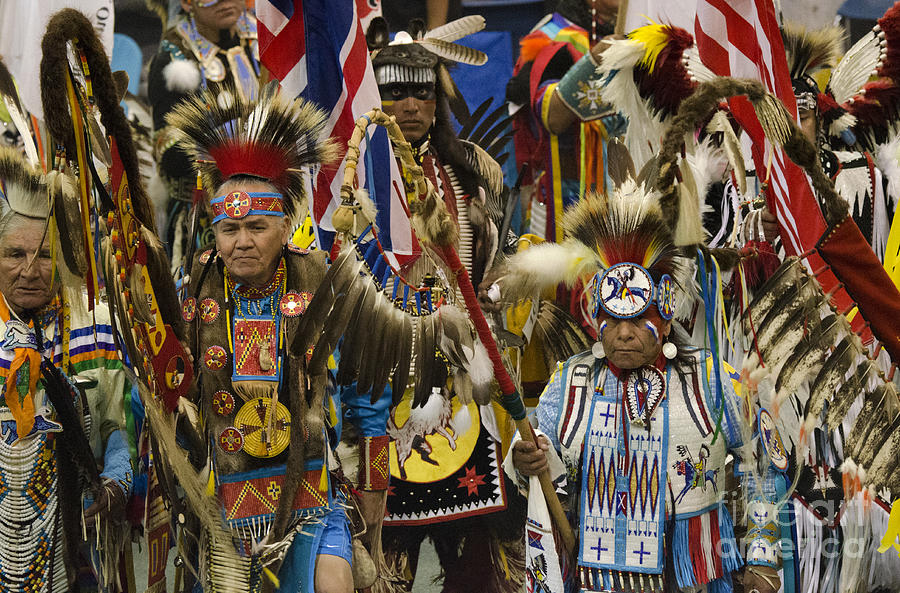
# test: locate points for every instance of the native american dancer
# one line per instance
(560, 114)
(269, 417)
(446, 480)
(642, 425)
(855, 171)
(211, 44)
(64, 435)
(653, 94)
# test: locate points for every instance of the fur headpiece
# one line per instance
(23, 188)
(420, 56)
(420, 49)
(274, 138)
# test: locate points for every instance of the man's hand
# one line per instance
(530, 459)
(761, 579)
(109, 505)
(489, 297)
(769, 225)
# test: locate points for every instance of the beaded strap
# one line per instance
(762, 534)
(579, 89)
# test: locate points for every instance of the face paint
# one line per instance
(652, 328)
(398, 91)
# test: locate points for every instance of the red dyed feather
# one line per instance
(877, 103)
(257, 159)
(669, 83)
(890, 26)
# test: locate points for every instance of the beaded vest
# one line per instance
(636, 480)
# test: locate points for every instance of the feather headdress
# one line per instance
(810, 51)
(625, 231)
(275, 138)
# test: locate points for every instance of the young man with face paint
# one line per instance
(642, 425)
(450, 491)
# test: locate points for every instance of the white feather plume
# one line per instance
(856, 67)
(481, 372)
(367, 207)
(181, 76)
(644, 128)
(703, 167)
(546, 265)
(887, 157)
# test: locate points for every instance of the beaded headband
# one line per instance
(394, 73)
(238, 204)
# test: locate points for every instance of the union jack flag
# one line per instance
(317, 50)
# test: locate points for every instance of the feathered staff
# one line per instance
(126, 209)
(434, 225)
(140, 290)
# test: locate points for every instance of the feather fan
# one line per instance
(856, 67)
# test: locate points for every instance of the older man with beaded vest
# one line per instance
(270, 421)
(642, 426)
(63, 437)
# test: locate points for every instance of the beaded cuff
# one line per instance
(580, 88)
(762, 534)
(374, 463)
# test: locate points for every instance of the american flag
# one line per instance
(317, 50)
(741, 38)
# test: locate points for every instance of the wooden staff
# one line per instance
(620, 18)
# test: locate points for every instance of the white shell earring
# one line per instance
(670, 350)
(597, 350)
